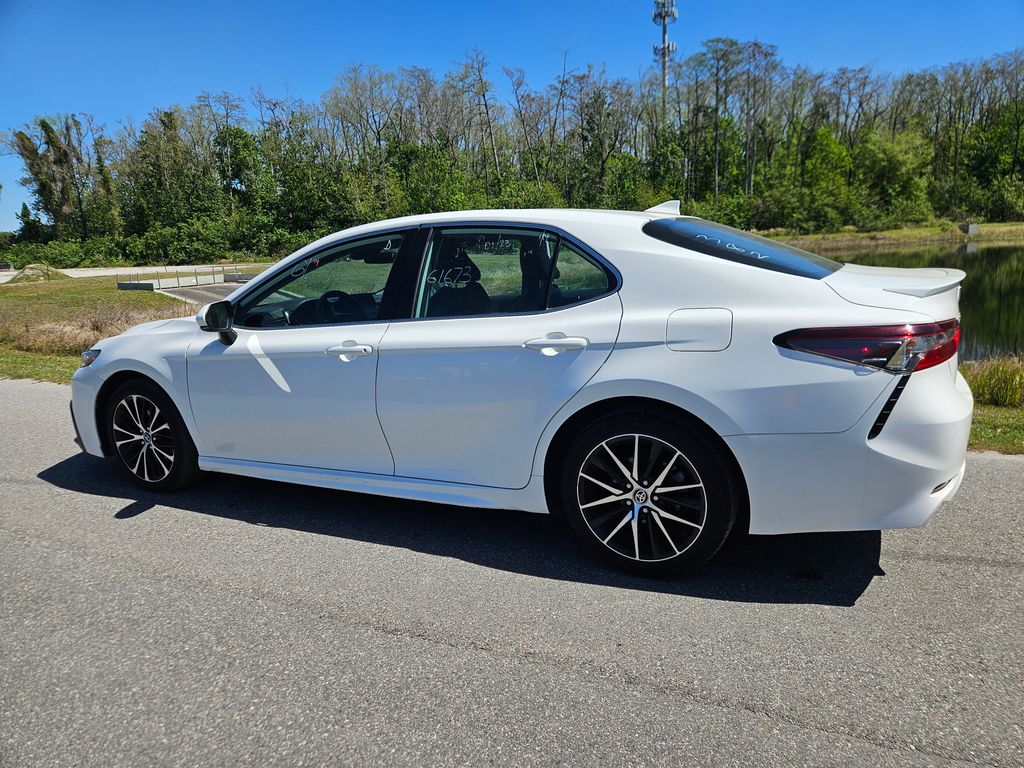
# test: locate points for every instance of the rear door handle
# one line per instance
(555, 345)
(349, 350)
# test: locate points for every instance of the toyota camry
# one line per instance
(658, 380)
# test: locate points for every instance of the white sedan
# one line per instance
(658, 380)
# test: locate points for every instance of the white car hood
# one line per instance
(172, 325)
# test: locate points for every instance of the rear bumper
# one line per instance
(845, 482)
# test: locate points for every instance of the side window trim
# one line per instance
(588, 255)
(387, 304)
(406, 274)
(614, 276)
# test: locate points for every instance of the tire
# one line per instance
(649, 495)
(148, 438)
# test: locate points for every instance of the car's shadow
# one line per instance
(827, 569)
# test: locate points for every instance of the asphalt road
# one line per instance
(249, 623)
(202, 294)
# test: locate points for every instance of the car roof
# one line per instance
(577, 221)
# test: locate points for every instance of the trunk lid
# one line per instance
(933, 292)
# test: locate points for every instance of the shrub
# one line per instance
(733, 210)
(999, 381)
(94, 252)
(1007, 199)
(56, 254)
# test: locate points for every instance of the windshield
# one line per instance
(724, 242)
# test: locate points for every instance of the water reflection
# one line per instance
(992, 299)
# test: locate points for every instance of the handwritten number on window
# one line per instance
(449, 277)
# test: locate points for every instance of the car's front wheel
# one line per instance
(149, 438)
(648, 494)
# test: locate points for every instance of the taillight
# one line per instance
(893, 348)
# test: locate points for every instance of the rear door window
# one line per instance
(499, 271)
(724, 242)
(576, 278)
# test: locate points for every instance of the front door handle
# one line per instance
(556, 344)
(349, 350)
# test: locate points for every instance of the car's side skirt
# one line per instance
(528, 499)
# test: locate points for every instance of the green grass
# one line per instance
(998, 429)
(68, 301)
(15, 364)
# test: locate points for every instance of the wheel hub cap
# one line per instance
(143, 438)
(641, 497)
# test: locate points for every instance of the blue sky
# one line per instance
(121, 59)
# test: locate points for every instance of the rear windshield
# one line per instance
(735, 245)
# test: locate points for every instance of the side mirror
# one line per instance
(218, 317)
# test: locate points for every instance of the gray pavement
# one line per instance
(248, 623)
(202, 294)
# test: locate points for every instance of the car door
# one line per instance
(508, 324)
(297, 385)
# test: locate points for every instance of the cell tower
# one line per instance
(664, 14)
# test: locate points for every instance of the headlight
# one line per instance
(88, 356)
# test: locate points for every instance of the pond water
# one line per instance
(992, 295)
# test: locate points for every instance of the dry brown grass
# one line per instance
(73, 338)
(68, 317)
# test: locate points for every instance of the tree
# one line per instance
(742, 137)
(30, 228)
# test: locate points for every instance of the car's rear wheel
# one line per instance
(149, 438)
(649, 495)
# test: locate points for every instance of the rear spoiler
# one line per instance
(952, 280)
(931, 290)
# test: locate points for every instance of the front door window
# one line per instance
(344, 284)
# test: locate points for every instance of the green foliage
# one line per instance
(732, 209)
(428, 180)
(740, 138)
(30, 228)
(524, 193)
(1006, 199)
(626, 186)
(892, 173)
(826, 198)
(998, 381)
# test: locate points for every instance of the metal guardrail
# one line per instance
(221, 273)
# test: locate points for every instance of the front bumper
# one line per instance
(74, 423)
(845, 482)
(85, 385)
